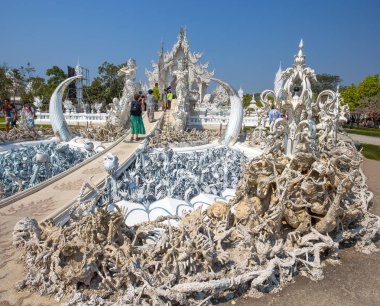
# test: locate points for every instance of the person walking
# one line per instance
(156, 96)
(163, 100)
(151, 104)
(13, 116)
(137, 124)
(272, 114)
(142, 101)
(169, 99)
(7, 112)
(29, 115)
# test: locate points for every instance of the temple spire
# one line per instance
(299, 59)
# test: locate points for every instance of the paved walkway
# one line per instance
(40, 205)
(366, 139)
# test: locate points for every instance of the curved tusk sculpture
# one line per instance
(57, 119)
(236, 116)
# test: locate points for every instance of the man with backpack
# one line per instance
(137, 124)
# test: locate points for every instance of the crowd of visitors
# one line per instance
(150, 104)
(12, 114)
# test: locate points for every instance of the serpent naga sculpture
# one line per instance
(236, 115)
(57, 119)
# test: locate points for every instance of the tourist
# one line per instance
(169, 99)
(137, 125)
(13, 116)
(272, 114)
(156, 96)
(151, 104)
(164, 99)
(7, 113)
(141, 99)
(29, 115)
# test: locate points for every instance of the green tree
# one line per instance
(247, 100)
(27, 72)
(5, 83)
(351, 96)
(94, 92)
(37, 89)
(111, 83)
(56, 76)
(325, 81)
(369, 87)
(18, 82)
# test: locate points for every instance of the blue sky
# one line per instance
(244, 41)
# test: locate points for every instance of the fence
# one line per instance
(202, 120)
(100, 118)
(74, 118)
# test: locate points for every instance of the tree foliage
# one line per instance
(5, 83)
(351, 96)
(247, 100)
(365, 95)
(325, 81)
(106, 86)
(369, 87)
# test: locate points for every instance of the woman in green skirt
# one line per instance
(137, 124)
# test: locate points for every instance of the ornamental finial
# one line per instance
(299, 59)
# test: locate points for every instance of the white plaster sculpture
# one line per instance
(98, 107)
(31, 165)
(241, 93)
(130, 88)
(332, 114)
(182, 91)
(152, 75)
(258, 136)
(297, 108)
(218, 101)
(57, 119)
(68, 105)
(278, 80)
(235, 119)
(37, 103)
(293, 208)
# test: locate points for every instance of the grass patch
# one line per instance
(363, 128)
(364, 131)
(371, 151)
(39, 126)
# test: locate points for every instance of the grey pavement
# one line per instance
(366, 139)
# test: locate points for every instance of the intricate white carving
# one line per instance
(182, 90)
(37, 103)
(119, 113)
(68, 105)
(298, 108)
(198, 75)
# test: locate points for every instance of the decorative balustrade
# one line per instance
(202, 120)
(100, 118)
(74, 118)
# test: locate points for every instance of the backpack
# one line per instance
(135, 108)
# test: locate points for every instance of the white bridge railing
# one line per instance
(100, 118)
(202, 120)
(74, 118)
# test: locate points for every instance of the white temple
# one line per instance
(163, 71)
